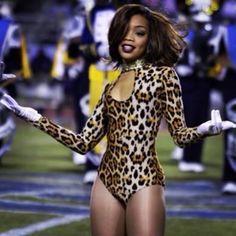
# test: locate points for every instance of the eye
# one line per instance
(141, 33)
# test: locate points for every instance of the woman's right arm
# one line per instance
(93, 132)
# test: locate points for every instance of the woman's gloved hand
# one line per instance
(215, 125)
(26, 113)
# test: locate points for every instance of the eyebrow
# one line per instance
(140, 26)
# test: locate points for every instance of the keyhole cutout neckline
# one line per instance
(123, 88)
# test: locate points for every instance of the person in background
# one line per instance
(72, 60)
(14, 51)
(14, 65)
(127, 197)
(99, 73)
(196, 85)
(225, 74)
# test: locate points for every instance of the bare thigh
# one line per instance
(145, 213)
(107, 213)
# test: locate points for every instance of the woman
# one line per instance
(128, 195)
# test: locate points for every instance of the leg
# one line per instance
(107, 213)
(196, 104)
(193, 153)
(145, 212)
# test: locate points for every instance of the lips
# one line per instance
(127, 48)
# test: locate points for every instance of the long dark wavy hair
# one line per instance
(164, 45)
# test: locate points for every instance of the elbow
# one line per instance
(183, 142)
(180, 141)
(81, 148)
(180, 144)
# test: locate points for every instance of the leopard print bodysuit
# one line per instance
(130, 161)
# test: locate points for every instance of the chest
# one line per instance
(135, 89)
(123, 87)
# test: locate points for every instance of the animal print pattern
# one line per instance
(130, 161)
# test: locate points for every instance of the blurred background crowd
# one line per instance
(55, 48)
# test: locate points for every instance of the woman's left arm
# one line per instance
(173, 110)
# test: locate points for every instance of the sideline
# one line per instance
(52, 191)
(44, 225)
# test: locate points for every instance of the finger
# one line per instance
(218, 116)
(228, 125)
(218, 121)
(213, 117)
(216, 126)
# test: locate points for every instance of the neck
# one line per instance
(127, 66)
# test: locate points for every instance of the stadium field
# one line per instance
(42, 191)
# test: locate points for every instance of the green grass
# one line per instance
(12, 220)
(74, 229)
(200, 227)
(34, 151)
(212, 158)
(174, 227)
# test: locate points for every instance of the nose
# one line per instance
(129, 36)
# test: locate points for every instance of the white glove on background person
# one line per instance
(4, 77)
(7, 77)
(27, 113)
(215, 125)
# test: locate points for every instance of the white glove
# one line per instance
(8, 76)
(215, 125)
(24, 112)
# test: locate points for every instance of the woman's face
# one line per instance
(134, 44)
